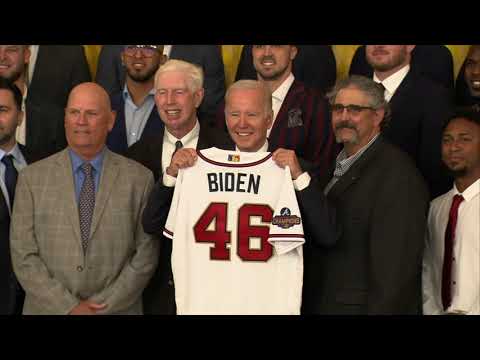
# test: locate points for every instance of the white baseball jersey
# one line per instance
(237, 236)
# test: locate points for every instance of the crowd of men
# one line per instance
(383, 165)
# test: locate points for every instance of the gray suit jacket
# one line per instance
(47, 254)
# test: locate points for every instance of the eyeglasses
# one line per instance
(146, 50)
(351, 108)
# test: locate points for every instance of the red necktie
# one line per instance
(448, 252)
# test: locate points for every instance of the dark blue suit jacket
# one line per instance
(117, 138)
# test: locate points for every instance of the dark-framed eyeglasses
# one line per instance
(145, 50)
(351, 108)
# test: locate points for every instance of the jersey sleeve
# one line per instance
(169, 229)
(286, 229)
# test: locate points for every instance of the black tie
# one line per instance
(381, 86)
(10, 177)
(178, 145)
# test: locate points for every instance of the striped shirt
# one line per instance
(343, 163)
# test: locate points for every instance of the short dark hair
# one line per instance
(8, 85)
(469, 113)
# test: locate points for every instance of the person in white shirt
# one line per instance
(451, 268)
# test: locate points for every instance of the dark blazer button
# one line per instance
(79, 268)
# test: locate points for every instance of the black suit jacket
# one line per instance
(111, 73)
(159, 296)
(58, 69)
(376, 265)
(420, 107)
(117, 138)
(463, 97)
(314, 65)
(45, 130)
(11, 300)
(433, 61)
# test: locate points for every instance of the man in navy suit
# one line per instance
(300, 113)
(13, 158)
(137, 115)
(42, 129)
(419, 107)
(111, 72)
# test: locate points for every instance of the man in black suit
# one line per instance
(433, 61)
(42, 129)
(179, 93)
(13, 157)
(314, 65)
(381, 202)
(419, 108)
(55, 71)
(111, 72)
(467, 86)
(137, 115)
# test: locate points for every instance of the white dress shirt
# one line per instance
(19, 163)
(21, 132)
(392, 82)
(466, 254)
(32, 62)
(190, 140)
(167, 49)
(278, 96)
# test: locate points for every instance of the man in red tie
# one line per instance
(451, 272)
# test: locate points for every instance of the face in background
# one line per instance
(461, 147)
(10, 118)
(472, 70)
(247, 118)
(13, 61)
(176, 101)
(88, 119)
(273, 62)
(355, 128)
(141, 63)
(385, 58)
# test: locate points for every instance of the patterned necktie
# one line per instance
(178, 145)
(86, 203)
(11, 175)
(448, 257)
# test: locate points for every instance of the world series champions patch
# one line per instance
(286, 220)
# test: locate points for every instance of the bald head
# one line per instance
(88, 119)
(93, 90)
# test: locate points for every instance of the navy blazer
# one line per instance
(117, 138)
(11, 300)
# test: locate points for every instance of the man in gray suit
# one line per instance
(77, 243)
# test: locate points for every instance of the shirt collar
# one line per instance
(392, 82)
(15, 152)
(126, 93)
(264, 147)
(470, 192)
(187, 138)
(77, 161)
(343, 160)
(282, 90)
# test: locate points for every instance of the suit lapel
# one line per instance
(402, 91)
(107, 180)
(281, 122)
(67, 192)
(355, 172)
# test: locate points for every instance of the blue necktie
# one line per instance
(11, 175)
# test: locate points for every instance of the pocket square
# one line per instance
(295, 118)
